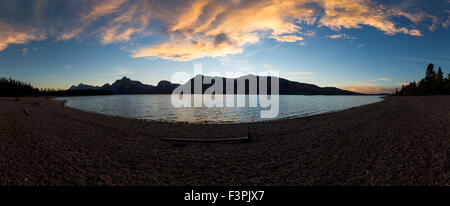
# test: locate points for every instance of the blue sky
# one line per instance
(365, 46)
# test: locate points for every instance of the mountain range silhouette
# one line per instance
(286, 87)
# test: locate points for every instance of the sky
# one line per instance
(369, 46)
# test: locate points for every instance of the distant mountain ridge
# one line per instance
(128, 86)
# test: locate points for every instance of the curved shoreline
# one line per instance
(398, 141)
(223, 122)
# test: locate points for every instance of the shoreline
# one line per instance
(229, 122)
(397, 141)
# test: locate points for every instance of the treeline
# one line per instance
(434, 83)
(10, 87)
(53, 92)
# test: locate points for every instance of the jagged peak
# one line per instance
(125, 78)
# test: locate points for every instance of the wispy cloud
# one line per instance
(288, 38)
(310, 33)
(385, 79)
(17, 34)
(197, 28)
(88, 16)
(369, 88)
(446, 23)
(25, 51)
(246, 23)
(341, 36)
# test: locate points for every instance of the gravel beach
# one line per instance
(399, 141)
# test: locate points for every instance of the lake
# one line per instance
(159, 107)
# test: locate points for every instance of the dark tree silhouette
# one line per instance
(430, 78)
(431, 74)
(447, 84)
(439, 84)
(433, 84)
(440, 74)
(10, 87)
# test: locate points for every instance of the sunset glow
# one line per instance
(154, 38)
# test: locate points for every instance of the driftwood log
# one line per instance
(242, 139)
(26, 112)
(206, 140)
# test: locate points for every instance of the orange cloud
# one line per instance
(133, 21)
(98, 10)
(368, 88)
(190, 15)
(248, 22)
(384, 79)
(71, 33)
(208, 28)
(288, 38)
(102, 8)
(17, 34)
(234, 24)
(355, 13)
(187, 50)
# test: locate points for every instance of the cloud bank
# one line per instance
(369, 88)
(192, 29)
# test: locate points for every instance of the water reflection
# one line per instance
(159, 107)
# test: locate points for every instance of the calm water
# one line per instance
(159, 107)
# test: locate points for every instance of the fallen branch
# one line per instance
(206, 140)
(26, 112)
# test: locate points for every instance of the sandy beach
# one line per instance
(399, 141)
